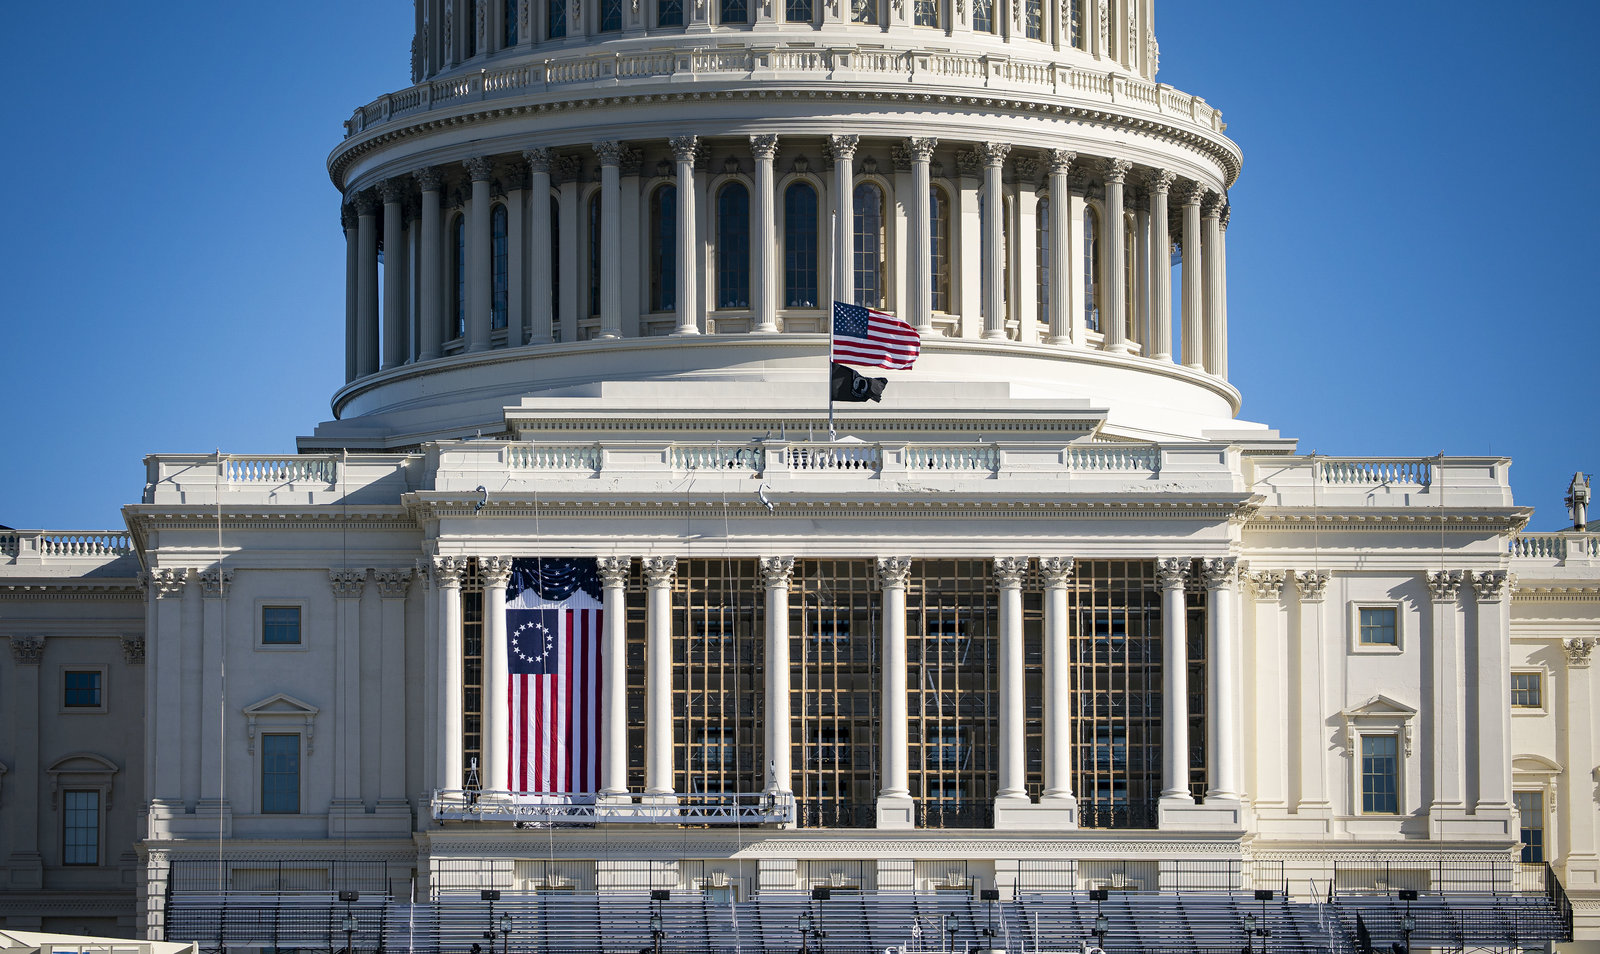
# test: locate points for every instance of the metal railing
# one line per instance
(253, 876)
(583, 809)
(1427, 875)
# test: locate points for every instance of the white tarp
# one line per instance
(30, 942)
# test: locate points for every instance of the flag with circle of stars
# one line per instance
(553, 659)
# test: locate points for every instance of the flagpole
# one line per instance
(828, 378)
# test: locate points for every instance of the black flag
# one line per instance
(848, 384)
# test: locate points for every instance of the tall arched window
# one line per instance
(669, 13)
(868, 202)
(555, 267)
(1075, 23)
(1130, 227)
(469, 32)
(458, 275)
(508, 20)
(800, 246)
(734, 11)
(664, 248)
(556, 19)
(1032, 18)
(1042, 263)
(499, 301)
(594, 254)
(733, 246)
(1091, 268)
(939, 247)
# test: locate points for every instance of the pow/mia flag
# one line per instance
(848, 384)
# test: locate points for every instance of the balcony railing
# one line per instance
(36, 546)
(584, 809)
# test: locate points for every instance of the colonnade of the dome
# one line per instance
(751, 235)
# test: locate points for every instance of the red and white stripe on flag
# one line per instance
(555, 715)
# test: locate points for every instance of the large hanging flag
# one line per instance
(867, 336)
(553, 617)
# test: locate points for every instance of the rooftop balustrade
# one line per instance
(279, 480)
(76, 549)
(1315, 481)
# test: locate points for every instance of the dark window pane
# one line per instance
(733, 246)
(280, 774)
(664, 249)
(501, 268)
(80, 828)
(280, 625)
(83, 689)
(800, 246)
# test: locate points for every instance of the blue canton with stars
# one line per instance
(535, 640)
(849, 321)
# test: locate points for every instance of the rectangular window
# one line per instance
(556, 27)
(1380, 775)
(734, 11)
(1527, 690)
(983, 16)
(280, 774)
(1378, 626)
(797, 11)
(1530, 805)
(280, 625)
(926, 12)
(1034, 17)
(80, 828)
(610, 15)
(669, 13)
(82, 689)
(864, 11)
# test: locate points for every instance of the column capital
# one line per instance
(347, 584)
(347, 216)
(495, 571)
(27, 650)
(1211, 205)
(1578, 651)
(994, 153)
(683, 147)
(1061, 161)
(1492, 585)
(1219, 572)
(214, 582)
(429, 178)
(614, 570)
(1160, 181)
(1192, 193)
(1173, 572)
(539, 160)
(1116, 170)
(764, 147)
(394, 190)
(610, 152)
(921, 150)
(1445, 585)
(566, 168)
(1266, 585)
(480, 168)
(1227, 211)
(659, 570)
(1056, 571)
(447, 571)
(366, 203)
(1312, 584)
(393, 582)
(165, 581)
(776, 571)
(843, 148)
(1009, 571)
(133, 650)
(894, 571)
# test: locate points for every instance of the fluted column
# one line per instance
(1448, 709)
(1310, 707)
(431, 264)
(1211, 240)
(893, 572)
(391, 663)
(21, 705)
(516, 256)
(683, 151)
(1576, 787)
(352, 286)
(367, 284)
(843, 150)
(994, 239)
(610, 153)
(1060, 316)
(1160, 267)
(480, 302)
(1008, 574)
(1057, 575)
(1271, 678)
(614, 572)
(1172, 573)
(393, 192)
(1492, 689)
(495, 572)
(216, 585)
(775, 575)
(1222, 662)
(658, 574)
(447, 573)
(921, 229)
(1116, 292)
(541, 316)
(347, 585)
(1193, 281)
(764, 230)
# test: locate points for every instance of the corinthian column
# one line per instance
(496, 732)
(366, 284)
(894, 798)
(430, 264)
(480, 302)
(1172, 573)
(614, 675)
(352, 285)
(610, 153)
(1057, 574)
(1492, 689)
(843, 150)
(683, 151)
(1211, 241)
(658, 574)
(1060, 246)
(921, 252)
(1116, 324)
(1193, 282)
(1160, 266)
(1308, 689)
(994, 240)
(541, 317)
(1271, 676)
(1578, 845)
(393, 192)
(1221, 576)
(764, 229)
(447, 573)
(1008, 573)
(1449, 708)
(775, 574)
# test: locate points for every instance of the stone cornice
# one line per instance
(76, 588)
(145, 517)
(914, 505)
(1497, 519)
(1556, 593)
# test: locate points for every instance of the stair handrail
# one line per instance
(1557, 896)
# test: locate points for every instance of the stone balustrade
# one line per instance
(22, 547)
(1317, 481)
(1565, 548)
(285, 479)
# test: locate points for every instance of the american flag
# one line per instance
(874, 338)
(555, 666)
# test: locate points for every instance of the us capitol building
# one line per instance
(1046, 622)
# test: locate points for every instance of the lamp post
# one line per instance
(348, 923)
(1257, 927)
(495, 927)
(505, 932)
(1102, 924)
(989, 896)
(657, 930)
(1407, 922)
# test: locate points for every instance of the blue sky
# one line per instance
(1409, 256)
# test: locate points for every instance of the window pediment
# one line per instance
(1380, 713)
(81, 770)
(280, 711)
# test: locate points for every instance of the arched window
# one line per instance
(800, 246)
(594, 254)
(469, 31)
(610, 16)
(734, 11)
(983, 16)
(926, 12)
(508, 19)
(1042, 264)
(664, 249)
(458, 275)
(555, 268)
(939, 247)
(556, 19)
(868, 203)
(1091, 268)
(733, 246)
(798, 11)
(1032, 18)
(1130, 227)
(669, 13)
(498, 308)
